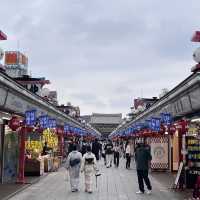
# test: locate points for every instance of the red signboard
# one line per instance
(15, 58)
(3, 36)
(11, 58)
(196, 37)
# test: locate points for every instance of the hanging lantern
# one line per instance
(14, 123)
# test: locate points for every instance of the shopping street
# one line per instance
(114, 183)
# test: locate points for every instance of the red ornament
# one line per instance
(59, 131)
(14, 123)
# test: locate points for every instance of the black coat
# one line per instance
(142, 158)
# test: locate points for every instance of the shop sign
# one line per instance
(44, 121)
(52, 123)
(30, 117)
(66, 128)
(166, 118)
(155, 124)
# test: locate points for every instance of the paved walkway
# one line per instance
(114, 184)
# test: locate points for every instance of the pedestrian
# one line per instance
(109, 153)
(116, 154)
(96, 148)
(128, 155)
(73, 164)
(89, 168)
(84, 147)
(143, 158)
(104, 153)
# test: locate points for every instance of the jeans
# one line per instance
(143, 175)
(116, 159)
(128, 161)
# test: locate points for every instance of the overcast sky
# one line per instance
(101, 54)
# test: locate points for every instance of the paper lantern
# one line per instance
(14, 123)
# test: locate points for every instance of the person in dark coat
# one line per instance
(143, 158)
(96, 147)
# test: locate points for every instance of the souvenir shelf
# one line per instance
(193, 160)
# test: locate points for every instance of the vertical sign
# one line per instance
(30, 117)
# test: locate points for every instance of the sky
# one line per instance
(101, 54)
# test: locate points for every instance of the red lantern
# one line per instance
(14, 123)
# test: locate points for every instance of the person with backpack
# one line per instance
(89, 167)
(73, 164)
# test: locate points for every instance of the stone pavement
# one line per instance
(9, 189)
(114, 184)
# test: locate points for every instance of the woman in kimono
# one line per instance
(74, 165)
(89, 168)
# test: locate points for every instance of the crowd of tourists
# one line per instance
(84, 156)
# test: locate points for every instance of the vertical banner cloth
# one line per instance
(159, 151)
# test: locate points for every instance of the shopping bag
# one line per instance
(97, 175)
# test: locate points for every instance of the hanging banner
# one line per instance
(166, 118)
(30, 117)
(44, 121)
(52, 123)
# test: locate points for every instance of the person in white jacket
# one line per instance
(128, 155)
(89, 167)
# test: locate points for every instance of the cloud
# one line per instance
(101, 54)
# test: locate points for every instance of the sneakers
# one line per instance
(139, 192)
(148, 192)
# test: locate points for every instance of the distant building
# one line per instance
(86, 118)
(141, 104)
(105, 123)
(16, 64)
(35, 85)
(73, 111)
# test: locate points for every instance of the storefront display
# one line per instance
(11, 155)
(193, 160)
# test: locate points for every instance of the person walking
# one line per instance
(128, 155)
(73, 164)
(143, 158)
(116, 154)
(89, 167)
(96, 148)
(104, 153)
(109, 153)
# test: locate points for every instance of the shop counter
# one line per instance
(34, 167)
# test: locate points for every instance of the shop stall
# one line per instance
(193, 154)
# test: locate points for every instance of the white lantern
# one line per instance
(1, 54)
(196, 55)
